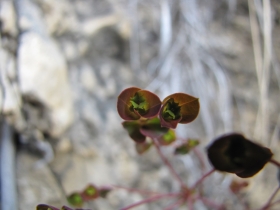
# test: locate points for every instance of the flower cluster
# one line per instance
(146, 116)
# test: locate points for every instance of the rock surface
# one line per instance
(63, 64)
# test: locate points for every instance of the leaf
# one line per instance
(237, 186)
(45, 207)
(186, 147)
(133, 129)
(124, 106)
(90, 193)
(103, 191)
(66, 208)
(152, 128)
(75, 199)
(143, 147)
(168, 138)
(234, 153)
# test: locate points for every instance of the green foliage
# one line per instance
(186, 147)
(168, 138)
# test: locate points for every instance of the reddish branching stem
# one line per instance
(200, 158)
(145, 192)
(202, 178)
(276, 163)
(151, 199)
(167, 163)
(268, 203)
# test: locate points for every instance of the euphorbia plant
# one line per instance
(150, 122)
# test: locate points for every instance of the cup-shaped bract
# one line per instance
(234, 153)
(67, 208)
(45, 207)
(134, 103)
(75, 199)
(178, 108)
(90, 193)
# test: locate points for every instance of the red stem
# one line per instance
(274, 203)
(275, 162)
(135, 190)
(200, 158)
(190, 203)
(268, 203)
(167, 163)
(151, 199)
(202, 178)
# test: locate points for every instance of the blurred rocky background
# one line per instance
(63, 64)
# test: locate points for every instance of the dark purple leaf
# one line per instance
(234, 153)
(45, 207)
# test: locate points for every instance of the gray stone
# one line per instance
(10, 93)
(8, 18)
(36, 186)
(45, 79)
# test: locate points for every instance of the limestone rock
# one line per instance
(42, 70)
(8, 18)
(36, 185)
(45, 78)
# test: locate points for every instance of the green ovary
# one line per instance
(139, 104)
(171, 111)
